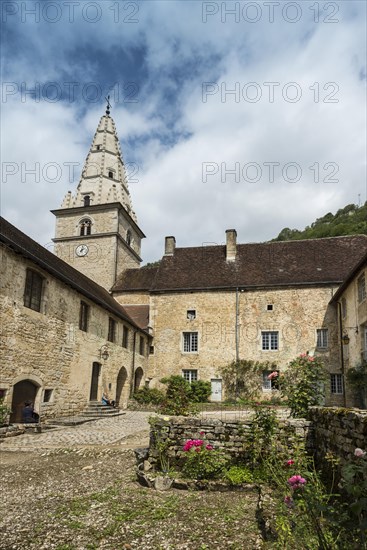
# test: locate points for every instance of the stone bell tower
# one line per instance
(96, 228)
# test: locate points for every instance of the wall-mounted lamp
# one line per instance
(345, 339)
(103, 352)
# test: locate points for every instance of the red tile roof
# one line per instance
(28, 248)
(140, 314)
(270, 264)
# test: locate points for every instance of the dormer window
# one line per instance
(87, 200)
(85, 227)
(110, 174)
(128, 237)
(98, 147)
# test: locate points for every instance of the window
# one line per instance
(33, 290)
(361, 288)
(344, 308)
(85, 227)
(190, 342)
(128, 237)
(336, 383)
(110, 174)
(191, 314)
(151, 350)
(270, 340)
(87, 200)
(322, 338)
(83, 316)
(111, 330)
(47, 396)
(272, 382)
(98, 147)
(141, 345)
(269, 307)
(190, 375)
(125, 337)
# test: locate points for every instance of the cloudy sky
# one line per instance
(245, 115)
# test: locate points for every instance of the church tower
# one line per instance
(96, 228)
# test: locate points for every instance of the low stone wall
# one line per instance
(173, 432)
(338, 432)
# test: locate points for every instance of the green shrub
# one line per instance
(200, 391)
(239, 474)
(149, 396)
(4, 413)
(205, 463)
(302, 384)
(177, 399)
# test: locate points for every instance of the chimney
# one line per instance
(169, 246)
(231, 245)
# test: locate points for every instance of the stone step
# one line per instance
(114, 412)
(96, 409)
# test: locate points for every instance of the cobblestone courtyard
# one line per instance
(74, 488)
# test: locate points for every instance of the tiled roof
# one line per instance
(28, 248)
(136, 279)
(356, 269)
(140, 314)
(271, 264)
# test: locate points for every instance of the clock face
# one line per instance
(81, 250)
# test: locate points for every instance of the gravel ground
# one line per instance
(86, 497)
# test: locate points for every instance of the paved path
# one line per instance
(106, 431)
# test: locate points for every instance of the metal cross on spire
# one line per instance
(108, 105)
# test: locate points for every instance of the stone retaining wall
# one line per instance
(331, 430)
(173, 432)
(338, 431)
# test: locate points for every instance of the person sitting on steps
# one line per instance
(29, 416)
(107, 401)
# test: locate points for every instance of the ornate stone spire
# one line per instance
(103, 178)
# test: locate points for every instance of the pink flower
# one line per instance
(359, 452)
(209, 447)
(202, 433)
(197, 449)
(273, 375)
(290, 462)
(189, 443)
(296, 482)
(192, 443)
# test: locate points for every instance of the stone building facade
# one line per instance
(197, 311)
(64, 339)
(351, 303)
(266, 302)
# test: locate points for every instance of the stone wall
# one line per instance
(48, 349)
(338, 431)
(296, 315)
(330, 431)
(231, 436)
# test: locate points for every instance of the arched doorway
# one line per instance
(121, 395)
(25, 390)
(139, 373)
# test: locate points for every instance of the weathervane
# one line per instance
(108, 105)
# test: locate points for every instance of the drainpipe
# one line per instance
(342, 353)
(132, 380)
(237, 339)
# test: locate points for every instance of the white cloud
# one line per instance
(180, 53)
